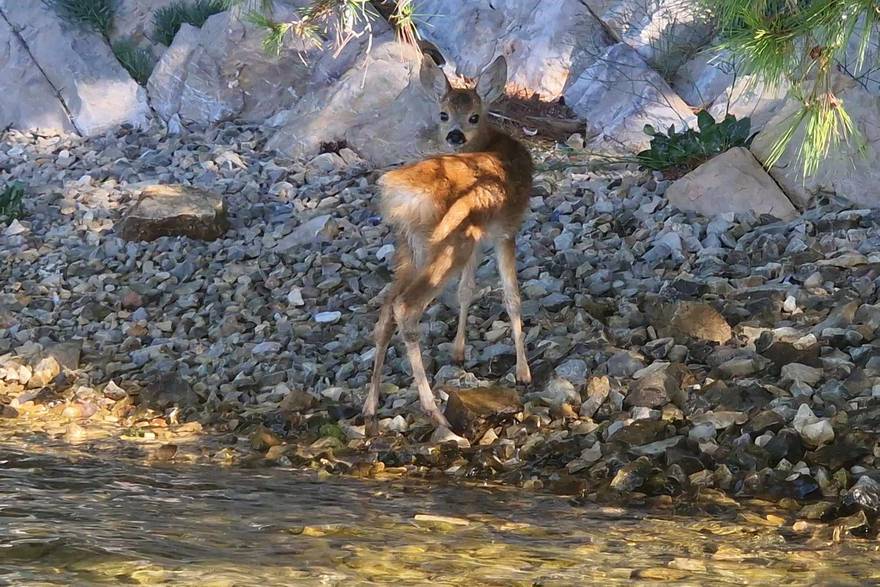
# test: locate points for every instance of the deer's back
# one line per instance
(493, 183)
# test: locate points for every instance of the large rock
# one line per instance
(731, 182)
(34, 103)
(665, 33)
(222, 72)
(80, 66)
(174, 210)
(700, 80)
(378, 107)
(749, 97)
(133, 19)
(472, 411)
(166, 83)
(619, 94)
(547, 42)
(849, 170)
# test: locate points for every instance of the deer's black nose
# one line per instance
(456, 138)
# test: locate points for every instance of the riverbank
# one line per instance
(673, 355)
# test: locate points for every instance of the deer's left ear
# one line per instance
(491, 84)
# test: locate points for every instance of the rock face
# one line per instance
(700, 80)
(749, 97)
(619, 94)
(133, 19)
(551, 41)
(663, 32)
(34, 104)
(174, 210)
(221, 72)
(80, 66)
(849, 169)
(731, 182)
(378, 107)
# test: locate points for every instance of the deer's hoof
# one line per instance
(523, 375)
(371, 426)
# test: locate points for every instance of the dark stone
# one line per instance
(632, 475)
(654, 390)
(95, 312)
(66, 353)
(782, 353)
(785, 445)
(844, 452)
(640, 432)
(864, 496)
(764, 421)
(169, 390)
(472, 411)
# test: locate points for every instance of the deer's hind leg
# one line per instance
(466, 288)
(445, 260)
(384, 330)
(505, 249)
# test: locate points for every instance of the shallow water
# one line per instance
(70, 518)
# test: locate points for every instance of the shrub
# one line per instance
(137, 61)
(12, 202)
(98, 14)
(679, 152)
(168, 20)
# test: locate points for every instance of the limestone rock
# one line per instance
(221, 72)
(79, 64)
(619, 94)
(814, 431)
(377, 107)
(319, 228)
(133, 19)
(663, 32)
(749, 97)
(848, 168)
(174, 210)
(165, 85)
(731, 182)
(703, 78)
(34, 105)
(552, 41)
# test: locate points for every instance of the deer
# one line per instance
(441, 209)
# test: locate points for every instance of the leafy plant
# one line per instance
(12, 202)
(97, 14)
(168, 19)
(678, 152)
(800, 42)
(137, 61)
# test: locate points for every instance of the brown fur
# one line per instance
(441, 208)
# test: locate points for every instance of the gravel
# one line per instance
(656, 338)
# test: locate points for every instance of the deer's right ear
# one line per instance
(433, 79)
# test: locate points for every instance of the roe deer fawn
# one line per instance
(440, 209)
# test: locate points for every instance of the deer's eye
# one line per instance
(474, 119)
(444, 116)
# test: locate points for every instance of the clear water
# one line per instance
(71, 518)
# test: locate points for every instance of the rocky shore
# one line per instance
(673, 354)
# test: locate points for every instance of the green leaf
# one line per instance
(704, 120)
